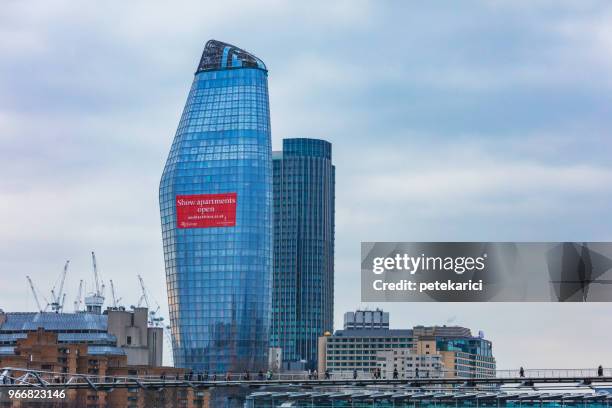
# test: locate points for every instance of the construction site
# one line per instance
(91, 340)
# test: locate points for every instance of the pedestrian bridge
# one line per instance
(16, 377)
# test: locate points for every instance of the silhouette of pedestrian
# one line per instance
(600, 371)
(246, 377)
(395, 374)
(214, 377)
(416, 372)
(327, 376)
(522, 372)
(354, 374)
(163, 376)
(269, 375)
(228, 376)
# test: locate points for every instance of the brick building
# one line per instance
(40, 350)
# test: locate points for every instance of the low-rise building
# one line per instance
(117, 332)
(355, 349)
(41, 350)
(434, 351)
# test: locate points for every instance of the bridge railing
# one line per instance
(30, 376)
(554, 373)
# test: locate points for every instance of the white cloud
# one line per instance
(90, 97)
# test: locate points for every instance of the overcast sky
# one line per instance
(473, 120)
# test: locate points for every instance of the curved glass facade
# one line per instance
(215, 201)
(303, 284)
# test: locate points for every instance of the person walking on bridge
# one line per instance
(355, 374)
(327, 376)
(395, 374)
(600, 371)
(521, 372)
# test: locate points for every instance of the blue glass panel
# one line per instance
(219, 278)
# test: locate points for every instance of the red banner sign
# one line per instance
(206, 210)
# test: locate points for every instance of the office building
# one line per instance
(366, 319)
(355, 349)
(216, 206)
(435, 351)
(303, 281)
(470, 357)
(409, 364)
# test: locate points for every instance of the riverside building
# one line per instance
(116, 332)
(436, 351)
(215, 200)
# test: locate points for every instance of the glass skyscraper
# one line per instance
(215, 201)
(303, 283)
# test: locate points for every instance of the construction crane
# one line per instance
(115, 299)
(57, 301)
(79, 297)
(169, 345)
(154, 320)
(40, 309)
(143, 297)
(99, 284)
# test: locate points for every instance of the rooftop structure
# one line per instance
(116, 332)
(220, 55)
(366, 319)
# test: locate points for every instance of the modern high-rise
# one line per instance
(303, 283)
(216, 206)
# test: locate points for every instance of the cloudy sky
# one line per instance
(478, 120)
